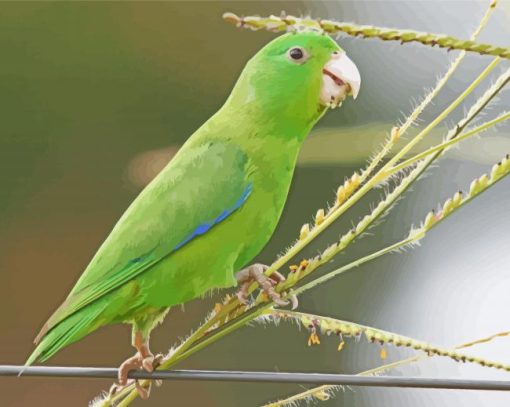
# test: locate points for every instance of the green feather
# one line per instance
(159, 220)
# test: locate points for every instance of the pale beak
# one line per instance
(340, 78)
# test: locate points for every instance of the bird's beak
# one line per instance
(340, 77)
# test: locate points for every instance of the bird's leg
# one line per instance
(143, 359)
(255, 272)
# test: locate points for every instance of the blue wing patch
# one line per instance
(203, 228)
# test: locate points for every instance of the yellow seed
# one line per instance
(340, 194)
(304, 263)
(321, 395)
(324, 325)
(495, 171)
(346, 239)
(383, 354)
(304, 232)
(326, 254)
(217, 308)
(395, 134)
(473, 188)
(340, 346)
(417, 345)
(429, 220)
(356, 179)
(348, 187)
(457, 198)
(319, 217)
(483, 181)
(448, 207)
(231, 18)
(370, 335)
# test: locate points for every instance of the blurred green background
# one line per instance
(95, 97)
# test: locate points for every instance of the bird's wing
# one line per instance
(200, 187)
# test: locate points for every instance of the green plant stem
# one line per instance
(279, 24)
(446, 144)
(327, 325)
(413, 237)
(416, 358)
(418, 110)
(443, 115)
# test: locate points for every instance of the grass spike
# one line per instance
(287, 23)
(327, 326)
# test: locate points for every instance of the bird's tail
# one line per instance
(69, 330)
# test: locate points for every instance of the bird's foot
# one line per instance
(255, 272)
(141, 360)
(143, 392)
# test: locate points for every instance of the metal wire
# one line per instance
(269, 377)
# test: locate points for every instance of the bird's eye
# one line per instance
(297, 54)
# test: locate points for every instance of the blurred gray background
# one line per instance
(95, 97)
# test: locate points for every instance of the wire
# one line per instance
(270, 377)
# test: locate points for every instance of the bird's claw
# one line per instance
(256, 273)
(135, 362)
(143, 392)
(293, 300)
(148, 363)
(277, 278)
(151, 362)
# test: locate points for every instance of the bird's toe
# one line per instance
(143, 392)
(132, 363)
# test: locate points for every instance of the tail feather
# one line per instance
(69, 330)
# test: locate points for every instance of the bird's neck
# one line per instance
(266, 123)
(288, 119)
(271, 139)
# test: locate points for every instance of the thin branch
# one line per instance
(447, 144)
(326, 325)
(478, 186)
(286, 23)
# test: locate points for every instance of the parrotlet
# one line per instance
(213, 208)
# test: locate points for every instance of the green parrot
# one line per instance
(214, 207)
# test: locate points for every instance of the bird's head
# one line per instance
(298, 76)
